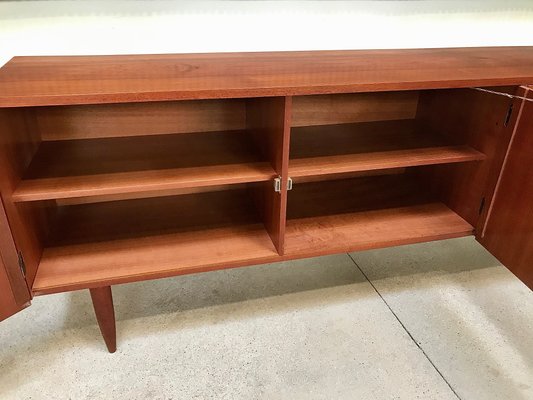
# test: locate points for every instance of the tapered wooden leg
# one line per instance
(105, 315)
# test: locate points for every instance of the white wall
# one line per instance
(108, 27)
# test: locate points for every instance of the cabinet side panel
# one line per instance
(27, 222)
(477, 119)
(508, 233)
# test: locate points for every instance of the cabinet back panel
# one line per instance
(137, 119)
(354, 107)
(142, 218)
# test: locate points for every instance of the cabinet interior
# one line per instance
(120, 192)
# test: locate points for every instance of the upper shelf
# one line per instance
(111, 166)
(367, 146)
(62, 80)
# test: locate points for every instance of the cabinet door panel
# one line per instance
(9, 303)
(508, 233)
(14, 293)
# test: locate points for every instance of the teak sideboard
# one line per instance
(116, 169)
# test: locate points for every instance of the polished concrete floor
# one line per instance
(439, 320)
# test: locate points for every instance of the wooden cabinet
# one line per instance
(124, 168)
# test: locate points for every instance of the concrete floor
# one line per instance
(433, 321)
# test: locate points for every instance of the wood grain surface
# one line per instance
(60, 80)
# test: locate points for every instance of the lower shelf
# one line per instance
(365, 213)
(125, 241)
(373, 229)
(128, 260)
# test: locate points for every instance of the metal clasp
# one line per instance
(277, 184)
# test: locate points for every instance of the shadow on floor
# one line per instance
(217, 288)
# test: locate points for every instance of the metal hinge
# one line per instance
(508, 116)
(481, 206)
(277, 184)
(22, 264)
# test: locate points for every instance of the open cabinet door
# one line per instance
(508, 232)
(14, 293)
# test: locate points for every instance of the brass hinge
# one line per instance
(277, 184)
(22, 264)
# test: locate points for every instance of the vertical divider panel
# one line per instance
(269, 120)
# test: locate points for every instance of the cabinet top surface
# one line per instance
(60, 80)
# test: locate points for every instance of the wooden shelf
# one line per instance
(365, 213)
(97, 167)
(334, 149)
(124, 241)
